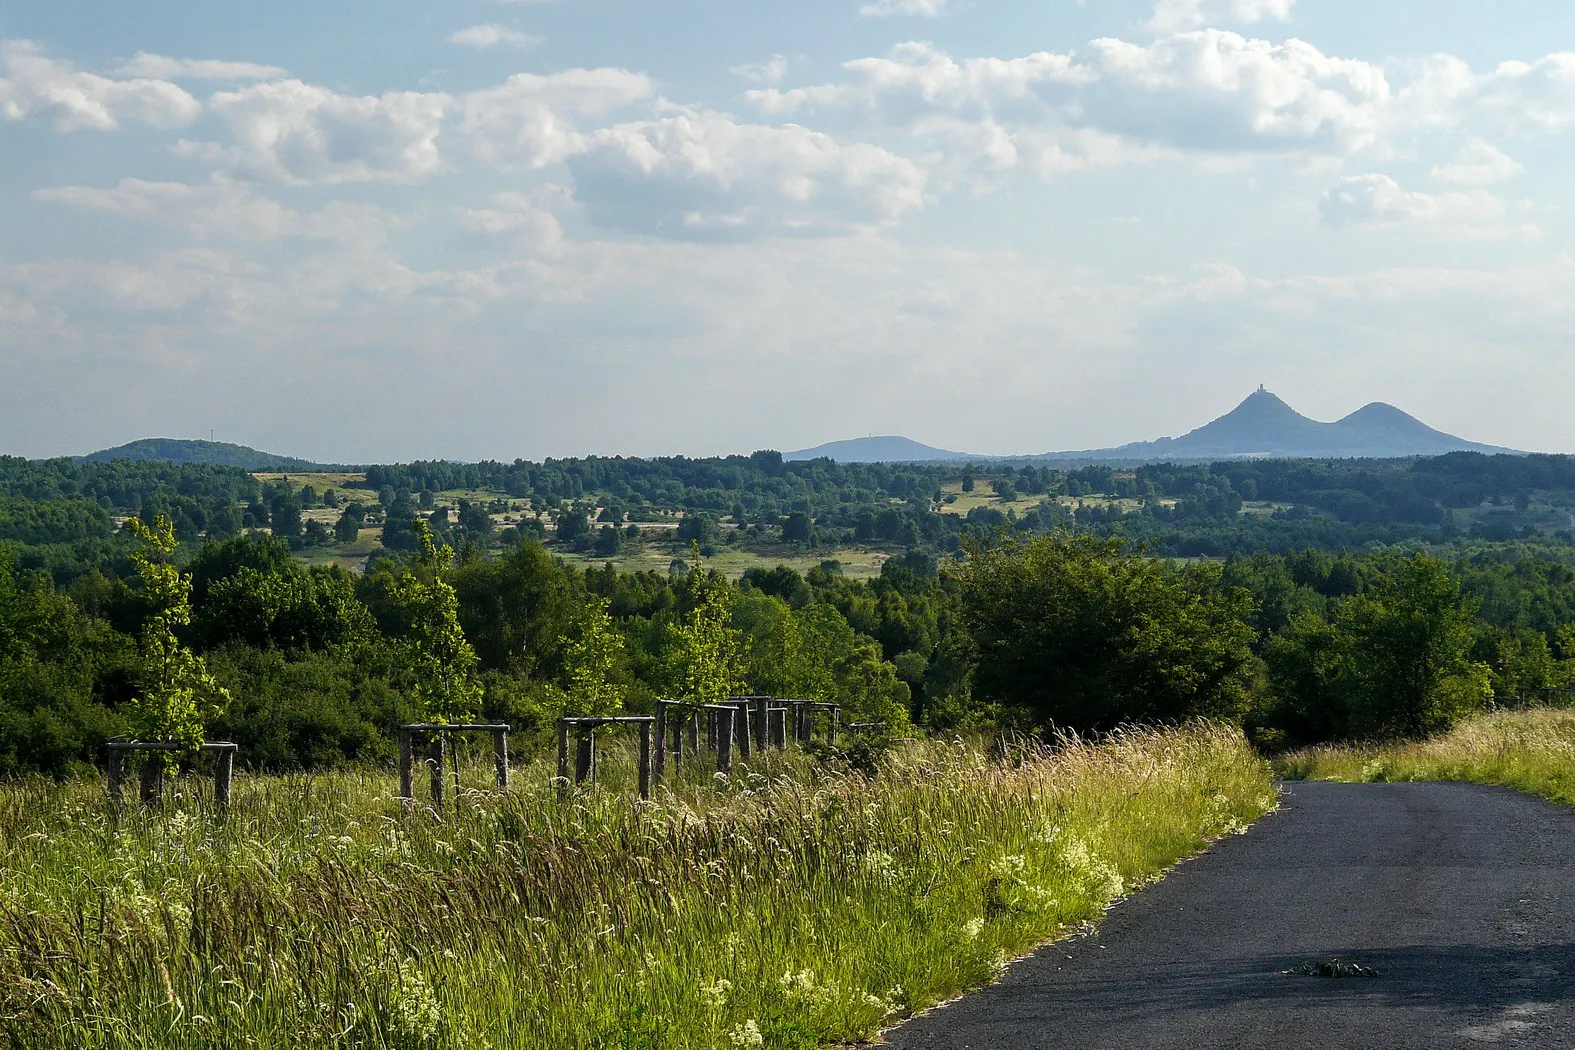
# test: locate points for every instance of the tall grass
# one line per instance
(1532, 751)
(786, 907)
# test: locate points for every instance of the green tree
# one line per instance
(435, 651)
(348, 528)
(178, 696)
(707, 649)
(1392, 662)
(1077, 632)
(593, 662)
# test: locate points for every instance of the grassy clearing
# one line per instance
(733, 562)
(1531, 751)
(790, 907)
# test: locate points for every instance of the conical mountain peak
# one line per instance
(1263, 426)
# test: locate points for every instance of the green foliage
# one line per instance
(1392, 661)
(178, 695)
(436, 654)
(594, 664)
(706, 649)
(1076, 632)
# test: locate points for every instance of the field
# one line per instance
(733, 562)
(789, 906)
(1532, 751)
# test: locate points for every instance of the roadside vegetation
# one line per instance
(1531, 751)
(795, 905)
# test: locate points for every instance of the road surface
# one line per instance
(1462, 898)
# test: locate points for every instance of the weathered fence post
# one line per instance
(762, 719)
(645, 760)
(660, 732)
(723, 720)
(117, 775)
(740, 720)
(563, 758)
(834, 725)
(585, 758)
(152, 778)
(500, 756)
(777, 718)
(435, 764)
(407, 766)
(224, 776)
(678, 737)
(710, 730)
(694, 732)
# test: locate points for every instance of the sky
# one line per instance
(375, 232)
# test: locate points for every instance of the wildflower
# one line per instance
(716, 994)
(972, 928)
(746, 1034)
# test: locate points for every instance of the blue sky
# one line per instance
(360, 231)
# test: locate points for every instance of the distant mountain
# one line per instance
(212, 453)
(1264, 427)
(877, 450)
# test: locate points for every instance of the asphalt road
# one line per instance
(1461, 897)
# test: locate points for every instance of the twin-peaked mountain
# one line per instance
(1262, 426)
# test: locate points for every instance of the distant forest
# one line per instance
(1281, 590)
(60, 514)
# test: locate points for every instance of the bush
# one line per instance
(1076, 632)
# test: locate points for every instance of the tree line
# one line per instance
(1017, 632)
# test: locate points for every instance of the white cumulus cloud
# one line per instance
(1478, 163)
(291, 132)
(1209, 91)
(1376, 200)
(532, 121)
(35, 85)
(703, 175)
(485, 36)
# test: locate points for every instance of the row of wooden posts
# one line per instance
(741, 725)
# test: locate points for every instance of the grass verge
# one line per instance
(1531, 751)
(788, 907)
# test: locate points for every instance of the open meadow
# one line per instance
(794, 904)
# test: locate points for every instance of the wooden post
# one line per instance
(407, 767)
(724, 739)
(585, 758)
(435, 767)
(694, 733)
(762, 718)
(152, 778)
(660, 732)
(223, 777)
(678, 737)
(741, 729)
(710, 731)
(834, 725)
(645, 760)
(563, 757)
(500, 756)
(777, 717)
(117, 775)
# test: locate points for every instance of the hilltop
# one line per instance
(877, 450)
(211, 453)
(1265, 427)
